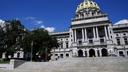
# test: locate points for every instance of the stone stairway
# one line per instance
(106, 64)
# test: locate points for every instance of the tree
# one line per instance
(1, 41)
(13, 36)
(42, 44)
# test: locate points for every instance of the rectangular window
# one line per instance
(118, 41)
(80, 42)
(126, 41)
(90, 41)
(101, 40)
(66, 44)
(61, 45)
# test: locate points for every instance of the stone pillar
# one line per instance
(75, 35)
(97, 32)
(87, 52)
(84, 14)
(73, 31)
(83, 53)
(79, 16)
(83, 35)
(100, 52)
(94, 32)
(96, 53)
(106, 34)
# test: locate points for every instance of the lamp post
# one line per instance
(31, 51)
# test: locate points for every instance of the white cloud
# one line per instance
(1, 21)
(34, 20)
(124, 21)
(49, 29)
(39, 22)
(42, 26)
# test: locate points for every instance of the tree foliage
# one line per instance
(16, 37)
(13, 36)
(41, 42)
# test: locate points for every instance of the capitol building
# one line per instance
(92, 34)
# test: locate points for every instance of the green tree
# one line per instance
(2, 34)
(13, 37)
(41, 42)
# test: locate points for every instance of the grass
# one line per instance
(3, 61)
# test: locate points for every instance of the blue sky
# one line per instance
(56, 13)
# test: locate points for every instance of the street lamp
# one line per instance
(31, 51)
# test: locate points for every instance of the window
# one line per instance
(90, 41)
(118, 41)
(80, 42)
(126, 41)
(61, 55)
(67, 55)
(18, 55)
(61, 45)
(117, 35)
(66, 44)
(111, 36)
(101, 40)
(56, 54)
(121, 53)
(124, 34)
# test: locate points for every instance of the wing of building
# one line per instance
(91, 34)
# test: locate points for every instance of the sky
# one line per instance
(55, 15)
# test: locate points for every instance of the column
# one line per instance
(79, 16)
(87, 52)
(106, 34)
(94, 32)
(84, 14)
(75, 35)
(96, 53)
(83, 34)
(100, 52)
(73, 38)
(97, 32)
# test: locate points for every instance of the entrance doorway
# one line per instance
(80, 53)
(104, 52)
(91, 53)
(121, 53)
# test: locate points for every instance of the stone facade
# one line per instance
(91, 34)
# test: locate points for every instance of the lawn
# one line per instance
(3, 61)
